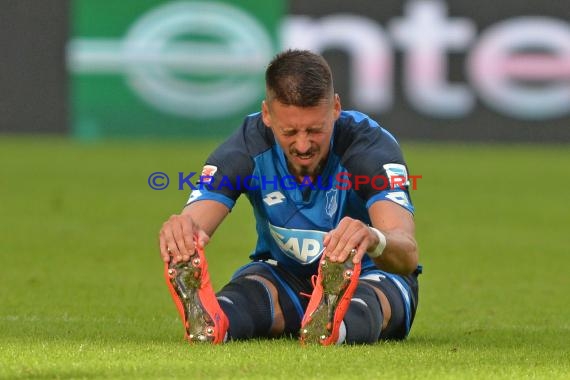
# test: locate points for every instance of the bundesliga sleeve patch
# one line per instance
(208, 172)
(396, 173)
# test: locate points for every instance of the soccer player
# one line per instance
(334, 220)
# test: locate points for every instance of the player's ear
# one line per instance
(337, 106)
(265, 114)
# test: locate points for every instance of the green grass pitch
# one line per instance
(82, 293)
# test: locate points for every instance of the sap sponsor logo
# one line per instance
(304, 246)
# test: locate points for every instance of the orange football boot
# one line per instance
(334, 287)
(192, 292)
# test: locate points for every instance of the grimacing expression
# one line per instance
(303, 133)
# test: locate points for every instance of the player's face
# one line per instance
(304, 133)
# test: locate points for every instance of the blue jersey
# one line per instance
(292, 218)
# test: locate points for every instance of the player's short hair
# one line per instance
(299, 78)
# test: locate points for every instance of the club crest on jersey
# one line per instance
(304, 246)
(208, 172)
(332, 205)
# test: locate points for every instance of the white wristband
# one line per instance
(377, 252)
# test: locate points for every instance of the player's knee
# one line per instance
(248, 306)
(291, 309)
(364, 318)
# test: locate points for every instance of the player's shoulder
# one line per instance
(353, 118)
(252, 137)
(358, 132)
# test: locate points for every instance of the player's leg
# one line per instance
(383, 307)
(344, 308)
(262, 301)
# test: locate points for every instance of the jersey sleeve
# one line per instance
(226, 171)
(374, 161)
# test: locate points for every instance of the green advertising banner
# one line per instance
(156, 68)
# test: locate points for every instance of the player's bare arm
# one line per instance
(397, 224)
(400, 254)
(199, 219)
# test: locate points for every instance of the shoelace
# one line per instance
(314, 283)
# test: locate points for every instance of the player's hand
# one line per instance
(178, 237)
(350, 234)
